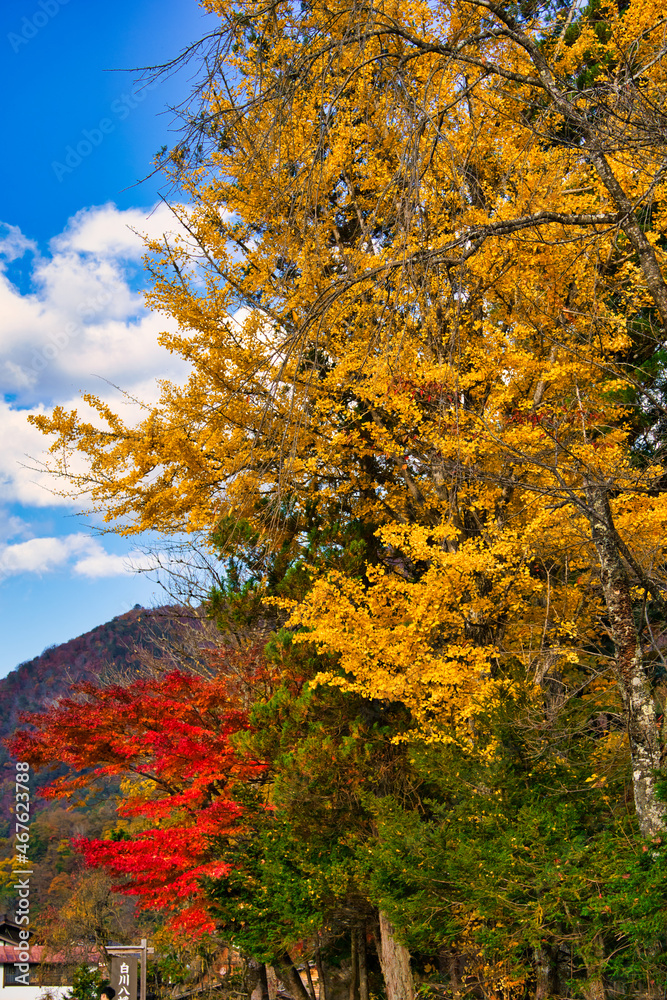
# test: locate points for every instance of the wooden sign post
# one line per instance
(124, 976)
(124, 960)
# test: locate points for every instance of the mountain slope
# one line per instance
(109, 651)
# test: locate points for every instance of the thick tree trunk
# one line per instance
(594, 989)
(257, 983)
(642, 722)
(395, 963)
(546, 977)
(273, 981)
(291, 978)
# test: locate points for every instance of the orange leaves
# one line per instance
(358, 321)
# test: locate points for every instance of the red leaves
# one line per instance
(554, 418)
(426, 392)
(161, 866)
(174, 732)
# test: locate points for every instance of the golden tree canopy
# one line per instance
(421, 286)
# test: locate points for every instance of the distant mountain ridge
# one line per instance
(114, 647)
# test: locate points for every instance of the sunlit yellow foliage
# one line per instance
(405, 292)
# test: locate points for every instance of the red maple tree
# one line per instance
(173, 735)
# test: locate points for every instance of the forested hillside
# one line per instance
(106, 652)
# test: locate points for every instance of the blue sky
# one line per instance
(80, 136)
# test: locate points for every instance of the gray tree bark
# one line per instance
(595, 989)
(257, 983)
(395, 963)
(290, 977)
(546, 977)
(642, 721)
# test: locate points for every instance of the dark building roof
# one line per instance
(9, 930)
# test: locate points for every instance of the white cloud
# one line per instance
(79, 552)
(81, 289)
(106, 232)
(100, 564)
(82, 327)
(12, 527)
(85, 315)
(23, 474)
(13, 244)
(41, 555)
(20, 476)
